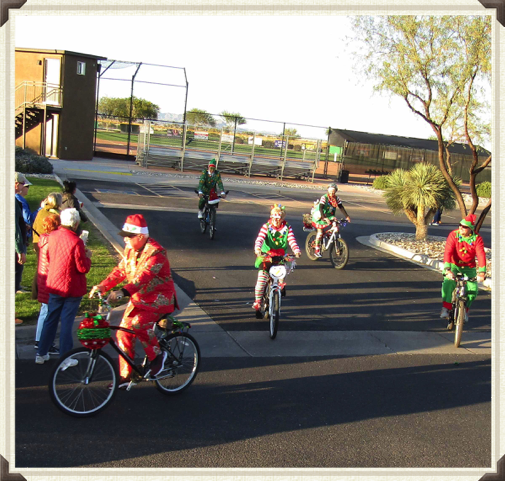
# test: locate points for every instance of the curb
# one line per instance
(422, 259)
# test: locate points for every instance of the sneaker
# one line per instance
(68, 363)
(318, 253)
(41, 359)
(157, 364)
(444, 313)
(22, 290)
(53, 351)
(200, 214)
(257, 305)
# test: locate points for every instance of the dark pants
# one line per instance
(438, 215)
(18, 274)
(59, 307)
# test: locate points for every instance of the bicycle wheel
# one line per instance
(203, 226)
(212, 223)
(265, 302)
(84, 389)
(181, 365)
(459, 319)
(339, 253)
(310, 245)
(276, 312)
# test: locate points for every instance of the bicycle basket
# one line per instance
(307, 222)
(93, 331)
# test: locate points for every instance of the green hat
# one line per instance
(469, 221)
(212, 162)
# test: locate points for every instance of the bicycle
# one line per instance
(332, 241)
(459, 300)
(90, 386)
(209, 214)
(271, 300)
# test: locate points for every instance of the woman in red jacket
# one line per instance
(461, 248)
(69, 261)
(50, 223)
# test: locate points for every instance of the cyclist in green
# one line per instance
(323, 214)
(461, 248)
(209, 179)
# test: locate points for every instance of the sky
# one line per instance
(292, 69)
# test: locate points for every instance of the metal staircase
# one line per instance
(35, 103)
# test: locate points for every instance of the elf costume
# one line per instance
(151, 289)
(274, 241)
(459, 256)
(327, 208)
(207, 185)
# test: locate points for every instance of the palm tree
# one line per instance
(418, 193)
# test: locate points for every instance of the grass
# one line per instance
(104, 257)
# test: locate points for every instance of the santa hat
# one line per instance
(469, 221)
(212, 163)
(134, 225)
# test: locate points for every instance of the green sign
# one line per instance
(335, 149)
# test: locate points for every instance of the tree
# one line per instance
(120, 107)
(200, 117)
(436, 64)
(292, 133)
(230, 118)
(418, 193)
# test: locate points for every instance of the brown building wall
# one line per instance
(78, 115)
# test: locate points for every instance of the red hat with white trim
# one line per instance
(134, 225)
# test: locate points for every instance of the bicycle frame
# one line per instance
(332, 234)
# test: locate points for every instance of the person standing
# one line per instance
(151, 289)
(209, 179)
(69, 200)
(21, 235)
(69, 262)
(51, 223)
(463, 245)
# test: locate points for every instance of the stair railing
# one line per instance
(37, 94)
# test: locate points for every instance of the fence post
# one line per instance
(252, 155)
(285, 155)
(219, 148)
(184, 131)
(147, 135)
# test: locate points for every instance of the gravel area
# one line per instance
(433, 246)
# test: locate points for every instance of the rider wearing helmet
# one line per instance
(324, 214)
(273, 238)
(461, 248)
(207, 185)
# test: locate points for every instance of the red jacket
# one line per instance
(68, 264)
(148, 277)
(462, 251)
(42, 270)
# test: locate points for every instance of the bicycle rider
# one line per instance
(324, 214)
(273, 238)
(207, 186)
(149, 284)
(461, 248)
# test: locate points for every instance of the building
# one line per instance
(55, 102)
(362, 152)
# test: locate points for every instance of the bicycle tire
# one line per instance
(276, 311)
(79, 394)
(339, 261)
(212, 223)
(266, 302)
(459, 319)
(310, 244)
(182, 364)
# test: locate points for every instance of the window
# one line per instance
(81, 68)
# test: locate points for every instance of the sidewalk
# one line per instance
(213, 340)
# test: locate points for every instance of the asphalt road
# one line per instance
(417, 410)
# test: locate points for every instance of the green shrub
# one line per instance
(381, 182)
(29, 163)
(484, 190)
